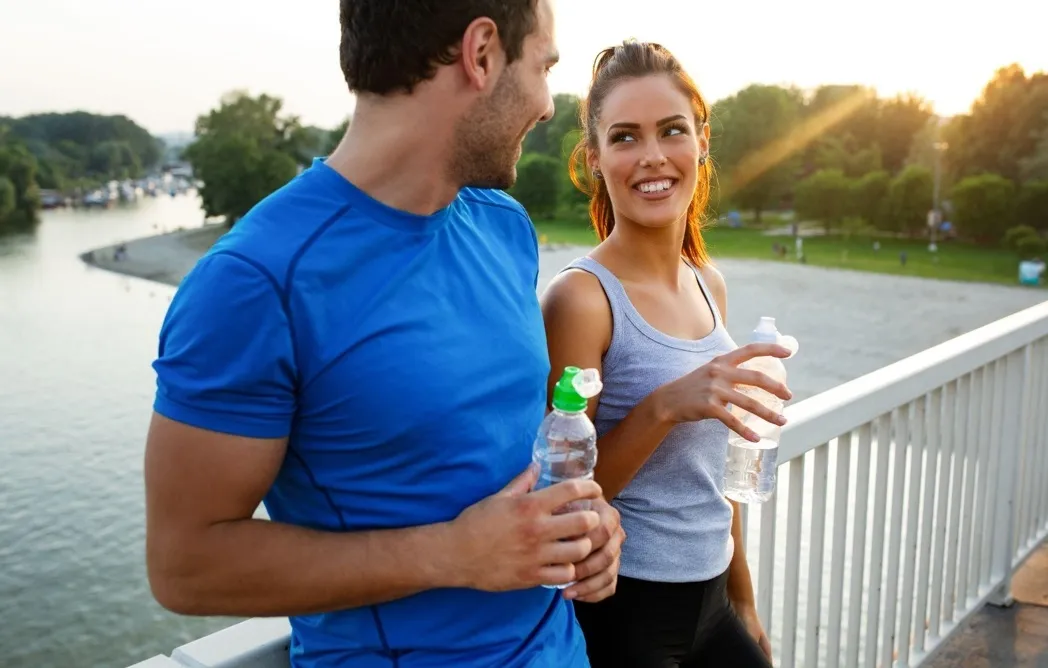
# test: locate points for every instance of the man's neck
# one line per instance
(399, 154)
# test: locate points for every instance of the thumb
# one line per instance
(523, 483)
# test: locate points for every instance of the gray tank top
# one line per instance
(677, 521)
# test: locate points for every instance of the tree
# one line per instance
(18, 167)
(899, 121)
(1002, 130)
(8, 199)
(755, 146)
(1031, 208)
(244, 150)
(909, 200)
(824, 196)
(984, 206)
(870, 196)
(550, 138)
(538, 184)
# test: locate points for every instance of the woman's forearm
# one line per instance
(740, 584)
(624, 449)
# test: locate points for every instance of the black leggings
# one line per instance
(668, 625)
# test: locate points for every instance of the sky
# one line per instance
(165, 63)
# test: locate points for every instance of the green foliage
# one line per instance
(754, 144)
(1031, 208)
(539, 182)
(870, 198)
(1006, 129)
(8, 199)
(984, 206)
(1016, 234)
(824, 196)
(1030, 247)
(21, 201)
(244, 150)
(910, 198)
(79, 146)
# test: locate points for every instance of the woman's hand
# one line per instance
(748, 616)
(707, 391)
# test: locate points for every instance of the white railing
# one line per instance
(953, 443)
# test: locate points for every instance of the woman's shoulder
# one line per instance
(714, 280)
(577, 292)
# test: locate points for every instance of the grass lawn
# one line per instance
(953, 261)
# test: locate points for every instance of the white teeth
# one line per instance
(654, 186)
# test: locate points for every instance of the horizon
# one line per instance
(205, 51)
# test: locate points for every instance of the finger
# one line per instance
(596, 562)
(566, 552)
(610, 523)
(751, 350)
(571, 525)
(523, 483)
(590, 586)
(735, 424)
(557, 574)
(553, 497)
(751, 405)
(599, 596)
(761, 380)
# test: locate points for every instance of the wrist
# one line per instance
(659, 409)
(445, 566)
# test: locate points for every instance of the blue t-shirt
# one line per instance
(405, 358)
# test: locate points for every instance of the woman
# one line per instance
(646, 308)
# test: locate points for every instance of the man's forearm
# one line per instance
(251, 568)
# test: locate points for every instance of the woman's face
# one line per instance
(649, 149)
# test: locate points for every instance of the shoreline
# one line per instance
(163, 258)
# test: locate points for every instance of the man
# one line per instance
(364, 352)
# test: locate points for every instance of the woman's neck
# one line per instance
(646, 253)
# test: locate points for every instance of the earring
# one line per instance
(702, 161)
(598, 175)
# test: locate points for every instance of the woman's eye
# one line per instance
(621, 137)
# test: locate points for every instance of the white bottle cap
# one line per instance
(766, 332)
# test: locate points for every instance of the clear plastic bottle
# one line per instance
(566, 444)
(749, 476)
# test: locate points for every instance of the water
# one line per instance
(76, 388)
(749, 476)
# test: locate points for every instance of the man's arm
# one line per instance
(206, 555)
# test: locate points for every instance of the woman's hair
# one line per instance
(632, 60)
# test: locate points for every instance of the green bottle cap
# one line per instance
(574, 388)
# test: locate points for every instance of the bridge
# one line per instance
(908, 499)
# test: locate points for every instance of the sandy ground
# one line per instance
(848, 323)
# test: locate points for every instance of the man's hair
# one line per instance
(392, 45)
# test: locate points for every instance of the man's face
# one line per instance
(488, 139)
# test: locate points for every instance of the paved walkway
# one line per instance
(1011, 637)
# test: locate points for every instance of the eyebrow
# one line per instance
(636, 126)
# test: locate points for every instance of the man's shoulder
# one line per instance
(278, 230)
(493, 201)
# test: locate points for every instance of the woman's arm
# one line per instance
(740, 582)
(578, 333)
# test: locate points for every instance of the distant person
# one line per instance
(647, 308)
(364, 353)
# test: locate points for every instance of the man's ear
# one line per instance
(482, 53)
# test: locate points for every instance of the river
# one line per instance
(76, 389)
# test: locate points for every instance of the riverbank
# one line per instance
(164, 258)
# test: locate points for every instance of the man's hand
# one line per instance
(513, 539)
(748, 615)
(598, 575)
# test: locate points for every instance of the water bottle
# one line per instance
(750, 472)
(566, 444)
